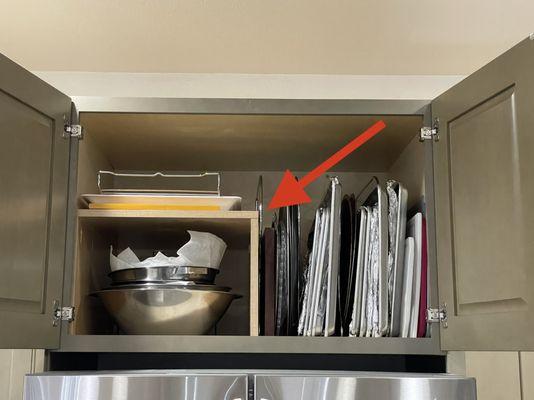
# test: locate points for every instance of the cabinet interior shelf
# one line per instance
(232, 226)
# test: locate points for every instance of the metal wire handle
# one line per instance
(160, 175)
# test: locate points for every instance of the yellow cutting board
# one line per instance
(137, 206)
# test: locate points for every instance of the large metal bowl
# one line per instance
(164, 274)
(165, 310)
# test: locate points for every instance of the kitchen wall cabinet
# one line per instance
(472, 168)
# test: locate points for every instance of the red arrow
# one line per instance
(291, 192)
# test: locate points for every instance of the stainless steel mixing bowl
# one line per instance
(163, 274)
(165, 309)
(171, 284)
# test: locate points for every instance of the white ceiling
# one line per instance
(369, 37)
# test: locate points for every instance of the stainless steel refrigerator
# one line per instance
(245, 385)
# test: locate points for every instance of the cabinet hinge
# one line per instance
(62, 314)
(437, 315)
(430, 132)
(73, 131)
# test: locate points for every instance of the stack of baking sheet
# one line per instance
(390, 288)
(319, 310)
(364, 276)
(370, 307)
(415, 294)
(381, 222)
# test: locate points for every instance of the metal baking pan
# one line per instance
(374, 194)
(164, 274)
(293, 269)
(365, 271)
(345, 265)
(317, 316)
(307, 308)
(334, 241)
(398, 260)
(354, 329)
(282, 266)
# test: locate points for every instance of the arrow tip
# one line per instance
(288, 193)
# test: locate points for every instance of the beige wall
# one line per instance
(499, 375)
(527, 375)
(14, 364)
(386, 37)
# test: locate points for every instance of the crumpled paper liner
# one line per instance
(204, 249)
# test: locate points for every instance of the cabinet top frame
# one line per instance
(251, 106)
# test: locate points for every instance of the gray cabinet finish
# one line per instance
(33, 177)
(484, 166)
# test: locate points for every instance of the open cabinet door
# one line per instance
(484, 192)
(33, 207)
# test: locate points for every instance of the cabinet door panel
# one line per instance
(33, 198)
(484, 170)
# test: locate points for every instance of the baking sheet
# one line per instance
(414, 229)
(306, 317)
(398, 203)
(365, 279)
(378, 198)
(334, 240)
(161, 202)
(354, 328)
(320, 314)
(406, 302)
